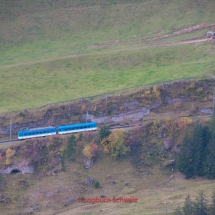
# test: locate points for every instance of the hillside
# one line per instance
(48, 50)
(145, 68)
(143, 174)
(37, 30)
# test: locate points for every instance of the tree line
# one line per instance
(197, 152)
(200, 206)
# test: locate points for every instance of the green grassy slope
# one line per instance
(38, 30)
(153, 191)
(31, 86)
(45, 31)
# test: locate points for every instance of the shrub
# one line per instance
(96, 184)
(104, 132)
(21, 114)
(90, 150)
(114, 144)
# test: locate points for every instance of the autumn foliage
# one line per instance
(90, 150)
(114, 144)
(9, 154)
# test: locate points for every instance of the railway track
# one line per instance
(120, 127)
(9, 141)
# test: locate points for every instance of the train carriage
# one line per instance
(66, 129)
(37, 132)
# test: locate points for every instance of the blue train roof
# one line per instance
(41, 128)
(81, 124)
(38, 129)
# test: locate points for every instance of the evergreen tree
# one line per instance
(200, 139)
(197, 149)
(209, 163)
(63, 166)
(184, 160)
(193, 152)
(70, 151)
(178, 211)
(188, 206)
(212, 209)
(200, 207)
(104, 132)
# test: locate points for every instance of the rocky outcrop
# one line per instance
(22, 167)
(206, 111)
(129, 116)
(18, 126)
(170, 101)
(168, 144)
(88, 163)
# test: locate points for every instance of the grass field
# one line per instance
(36, 35)
(38, 30)
(34, 85)
(153, 191)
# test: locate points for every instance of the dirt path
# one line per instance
(108, 52)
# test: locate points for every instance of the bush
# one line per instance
(104, 132)
(21, 114)
(96, 184)
(114, 144)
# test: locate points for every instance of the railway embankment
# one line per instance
(179, 98)
(56, 169)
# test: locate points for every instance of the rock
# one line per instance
(36, 207)
(177, 149)
(69, 201)
(168, 144)
(22, 167)
(167, 100)
(155, 104)
(130, 115)
(206, 111)
(89, 180)
(161, 134)
(88, 163)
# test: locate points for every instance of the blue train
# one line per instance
(63, 129)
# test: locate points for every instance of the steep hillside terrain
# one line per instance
(36, 30)
(49, 49)
(126, 64)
